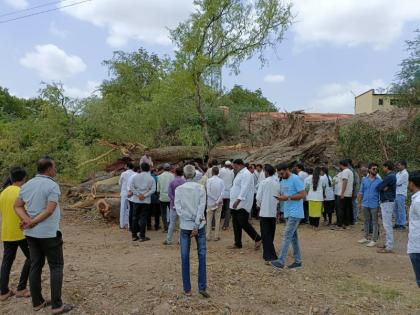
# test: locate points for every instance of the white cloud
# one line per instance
(17, 4)
(53, 63)
(350, 23)
(90, 89)
(274, 78)
(339, 98)
(56, 31)
(133, 19)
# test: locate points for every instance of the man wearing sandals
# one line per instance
(12, 237)
(190, 202)
(39, 211)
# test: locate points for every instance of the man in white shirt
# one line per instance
(190, 202)
(268, 189)
(401, 196)
(345, 189)
(215, 189)
(241, 199)
(226, 174)
(142, 186)
(259, 170)
(164, 180)
(124, 206)
(413, 246)
(146, 158)
(131, 224)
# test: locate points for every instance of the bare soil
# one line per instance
(106, 274)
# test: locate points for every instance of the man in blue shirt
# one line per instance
(387, 190)
(293, 192)
(39, 210)
(368, 200)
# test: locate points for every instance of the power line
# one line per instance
(45, 11)
(32, 8)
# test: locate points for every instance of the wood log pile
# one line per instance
(100, 192)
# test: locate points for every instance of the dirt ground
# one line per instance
(106, 274)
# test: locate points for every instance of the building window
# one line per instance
(381, 101)
(394, 101)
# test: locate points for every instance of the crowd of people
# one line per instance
(206, 199)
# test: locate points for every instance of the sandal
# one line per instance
(4, 297)
(64, 309)
(23, 293)
(42, 306)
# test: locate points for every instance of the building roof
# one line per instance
(373, 92)
(309, 117)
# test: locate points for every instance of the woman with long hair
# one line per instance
(329, 197)
(315, 196)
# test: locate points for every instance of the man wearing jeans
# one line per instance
(368, 200)
(413, 246)
(190, 202)
(387, 190)
(293, 192)
(401, 196)
(164, 180)
(173, 216)
(39, 211)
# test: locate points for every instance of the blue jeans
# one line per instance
(185, 259)
(290, 236)
(399, 210)
(173, 217)
(415, 261)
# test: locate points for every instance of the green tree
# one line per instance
(240, 99)
(408, 79)
(225, 33)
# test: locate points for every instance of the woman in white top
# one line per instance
(329, 197)
(315, 196)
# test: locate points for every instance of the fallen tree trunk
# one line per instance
(109, 208)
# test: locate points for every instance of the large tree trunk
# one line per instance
(199, 104)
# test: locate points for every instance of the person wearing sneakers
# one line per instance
(13, 237)
(293, 192)
(190, 203)
(387, 189)
(368, 202)
(413, 245)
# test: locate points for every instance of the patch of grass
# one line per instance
(363, 288)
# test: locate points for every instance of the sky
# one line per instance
(334, 50)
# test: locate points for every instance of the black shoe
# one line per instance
(144, 239)
(135, 238)
(295, 266)
(205, 294)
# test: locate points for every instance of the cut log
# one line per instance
(109, 208)
(109, 185)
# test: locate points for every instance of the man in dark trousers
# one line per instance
(39, 210)
(241, 200)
